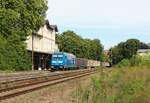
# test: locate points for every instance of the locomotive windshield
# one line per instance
(57, 57)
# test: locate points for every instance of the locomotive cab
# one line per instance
(63, 61)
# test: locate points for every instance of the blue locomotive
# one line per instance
(66, 61)
(63, 61)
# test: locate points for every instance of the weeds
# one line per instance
(135, 61)
(129, 85)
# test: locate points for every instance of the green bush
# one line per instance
(134, 61)
(139, 61)
(13, 57)
(18, 19)
(124, 63)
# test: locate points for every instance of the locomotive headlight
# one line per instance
(60, 61)
(53, 61)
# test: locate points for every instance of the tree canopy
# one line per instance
(69, 41)
(124, 50)
(18, 19)
(144, 46)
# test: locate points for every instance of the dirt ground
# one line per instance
(60, 93)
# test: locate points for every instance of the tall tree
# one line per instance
(130, 48)
(69, 41)
(124, 50)
(18, 19)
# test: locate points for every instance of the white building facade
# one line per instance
(44, 40)
(44, 44)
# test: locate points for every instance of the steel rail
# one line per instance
(18, 83)
(34, 86)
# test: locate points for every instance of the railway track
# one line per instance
(8, 76)
(15, 87)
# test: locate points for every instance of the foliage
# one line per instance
(69, 41)
(13, 57)
(144, 46)
(124, 50)
(134, 61)
(130, 48)
(129, 85)
(123, 63)
(19, 18)
(104, 57)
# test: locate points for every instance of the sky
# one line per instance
(111, 21)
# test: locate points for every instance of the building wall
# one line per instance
(44, 41)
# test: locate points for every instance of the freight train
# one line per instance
(66, 61)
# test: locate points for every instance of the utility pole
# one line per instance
(32, 51)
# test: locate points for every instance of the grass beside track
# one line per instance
(117, 85)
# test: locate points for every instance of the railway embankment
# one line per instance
(13, 87)
(122, 85)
